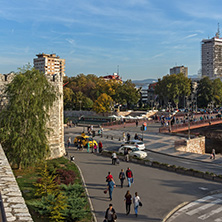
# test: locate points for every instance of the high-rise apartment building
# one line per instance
(212, 57)
(179, 69)
(50, 64)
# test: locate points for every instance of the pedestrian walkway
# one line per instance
(207, 209)
(160, 191)
(154, 142)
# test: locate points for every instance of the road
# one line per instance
(159, 148)
(160, 190)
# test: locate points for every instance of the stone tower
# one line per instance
(56, 138)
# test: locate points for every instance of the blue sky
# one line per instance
(144, 37)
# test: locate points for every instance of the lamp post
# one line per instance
(188, 113)
(80, 102)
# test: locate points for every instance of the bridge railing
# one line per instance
(185, 125)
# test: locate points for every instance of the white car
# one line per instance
(133, 151)
(137, 143)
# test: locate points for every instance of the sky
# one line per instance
(145, 38)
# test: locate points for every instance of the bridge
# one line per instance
(192, 125)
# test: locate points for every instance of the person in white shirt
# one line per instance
(136, 201)
(114, 157)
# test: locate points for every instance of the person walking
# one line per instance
(129, 175)
(124, 137)
(213, 154)
(136, 136)
(128, 137)
(128, 201)
(136, 201)
(100, 147)
(110, 215)
(126, 154)
(69, 142)
(114, 158)
(122, 177)
(88, 146)
(110, 184)
(95, 147)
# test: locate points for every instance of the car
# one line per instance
(133, 151)
(84, 139)
(137, 143)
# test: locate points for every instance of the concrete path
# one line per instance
(160, 190)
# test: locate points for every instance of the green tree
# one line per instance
(217, 91)
(68, 96)
(103, 104)
(204, 92)
(173, 88)
(23, 131)
(127, 94)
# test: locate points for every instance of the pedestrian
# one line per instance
(114, 158)
(136, 123)
(95, 147)
(100, 147)
(110, 215)
(136, 201)
(69, 142)
(78, 144)
(136, 137)
(110, 184)
(128, 201)
(122, 177)
(213, 154)
(88, 146)
(128, 137)
(126, 154)
(124, 137)
(129, 175)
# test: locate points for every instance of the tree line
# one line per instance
(176, 89)
(91, 92)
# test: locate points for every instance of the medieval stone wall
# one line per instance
(56, 138)
(194, 145)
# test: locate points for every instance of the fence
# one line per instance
(184, 126)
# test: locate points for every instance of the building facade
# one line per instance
(50, 64)
(179, 69)
(211, 56)
(114, 76)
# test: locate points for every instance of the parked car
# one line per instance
(84, 139)
(133, 151)
(137, 143)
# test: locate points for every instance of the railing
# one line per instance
(185, 125)
(2, 211)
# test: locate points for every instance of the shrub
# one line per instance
(77, 203)
(65, 176)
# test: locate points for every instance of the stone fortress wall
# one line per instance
(56, 121)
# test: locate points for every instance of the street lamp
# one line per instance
(80, 102)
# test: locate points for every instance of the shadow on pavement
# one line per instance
(130, 217)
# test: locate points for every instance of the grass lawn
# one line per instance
(26, 177)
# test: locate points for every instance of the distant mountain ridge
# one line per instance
(144, 82)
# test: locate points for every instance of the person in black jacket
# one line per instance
(110, 215)
(122, 177)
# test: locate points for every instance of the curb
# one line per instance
(174, 210)
(171, 168)
(87, 193)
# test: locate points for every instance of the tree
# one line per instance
(68, 96)
(173, 88)
(128, 94)
(217, 91)
(103, 104)
(23, 131)
(204, 92)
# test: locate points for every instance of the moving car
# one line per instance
(84, 139)
(137, 143)
(133, 151)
